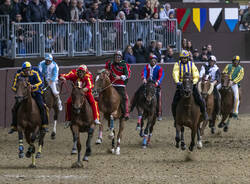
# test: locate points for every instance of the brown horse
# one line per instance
(28, 120)
(146, 103)
(51, 102)
(206, 89)
(82, 121)
(109, 104)
(227, 101)
(187, 114)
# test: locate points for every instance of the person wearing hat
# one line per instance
(50, 70)
(85, 77)
(236, 74)
(182, 66)
(211, 69)
(155, 73)
(203, 56)
(36, 82)
(119, 74)
(196, 55)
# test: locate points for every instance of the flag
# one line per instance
(215, 17)
(231, 17)
(183, 16)
(199, 17)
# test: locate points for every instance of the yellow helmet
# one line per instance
(184, 53)
(236, 58)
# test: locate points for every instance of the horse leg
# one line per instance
(183, 145)
(76, 138)
(31, 149)
(222, 124)
(99, 139)
(74, 149)
(20, 147)
(53, 134)
(204, 125)
(177, 136)
(138, 126)
(88, 143)
(141, 129)
(145, 137)
(199, 144)
(40, 144)
(111, 128)
(193, 134)
(151, 130)
(119, 136)
(225, 129)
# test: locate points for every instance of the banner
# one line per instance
(183, 16)
(199, 17)
(215, 17)
(231, 17)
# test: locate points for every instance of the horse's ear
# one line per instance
(107, 72)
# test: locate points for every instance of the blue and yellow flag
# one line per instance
(199, 17)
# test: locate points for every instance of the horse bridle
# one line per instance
(145, 91)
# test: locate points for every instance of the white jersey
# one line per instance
(214, 72)
(50, 72)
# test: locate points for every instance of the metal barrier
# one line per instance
(4, 34)
(83, 38)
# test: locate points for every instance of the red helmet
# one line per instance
(83, 68)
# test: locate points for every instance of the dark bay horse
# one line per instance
(110, 106)
(227, 101)
(51, 103)
(206, 89)
(82, 121)
(145, 102)
(29, 120)
(187, 114)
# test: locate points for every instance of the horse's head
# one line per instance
(101, 81)
(149, 91)
(205, 87)
(187, 85)
(23, 89)
(225, 81)
(78, 97)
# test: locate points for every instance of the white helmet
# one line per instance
(212, 58)
(48, 57)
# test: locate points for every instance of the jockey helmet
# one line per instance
(212, 58)
(184, 54)
(236, 58)
(153, 57)
(48, 57)
(83, 68)
(26, 64)
(119, 53)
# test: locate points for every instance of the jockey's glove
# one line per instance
(123, 77)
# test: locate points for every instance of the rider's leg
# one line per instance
(68, 109)
(126, 104)
(200, 101)
(94, 106)
(14, 118)
(159, 107)
(217, 101)
(39, 100)
(56, 94)
(122, 93)
(236, 99)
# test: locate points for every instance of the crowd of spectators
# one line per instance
(244, 18)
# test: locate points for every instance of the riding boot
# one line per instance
(14, 119)
(59, 103)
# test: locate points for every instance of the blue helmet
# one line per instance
(48, 57)
(26, 64)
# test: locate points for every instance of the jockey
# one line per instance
(82, 74)
(36, 83)
(236, 73)
(155, 73)
(119, 75)
(211, 69)
(181, 67)
(49, 69)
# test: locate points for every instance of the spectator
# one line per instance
(189, 46)
(36, 12)
(203, 56)
(74, 14)
(164, 13)
(20, 35)
(128, 10)
(145, 12)
(108, 13)
(49, 41)
(155, 15)
(170, 56)
(158, 52)
(246, 19)
(93, 14)
(115, 6)
(81, 9)
(209, 50)
(184, 44)
(56, 2)
(154, 5)
(5, 8)
(23, 9)
(139, 51)
(129, 56)
(52, 14)
(15, 10)
(196, 56)
(63, 11)
(151, 48)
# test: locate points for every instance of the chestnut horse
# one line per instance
(206, 89)
(145, 102)
(82, 121)
(110, 106)
(51, 103)
(29, 120)
(187, 114)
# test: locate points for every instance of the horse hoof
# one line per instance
(199, 145)
(73, 152)
(98, 141)
(112, 150)
(177, 145)
(85, 158)
(38, 155)
(21, 155)
(28, 154)
(221, 125)
(191, 148)
(213, 130)
(32, 166)
(53, 135)
(138, 127)
(77, 165)
(225, 129)
(117, 151)
(183, 146)
(144, 146)
(141, 133)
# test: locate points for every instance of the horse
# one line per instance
(82, 121)
(110, 106)
(51, 102)
(227, 101)
(206, 89)
(187, 114)
(145, 102)
(29, 120)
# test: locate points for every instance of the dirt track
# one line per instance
(224, 159)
